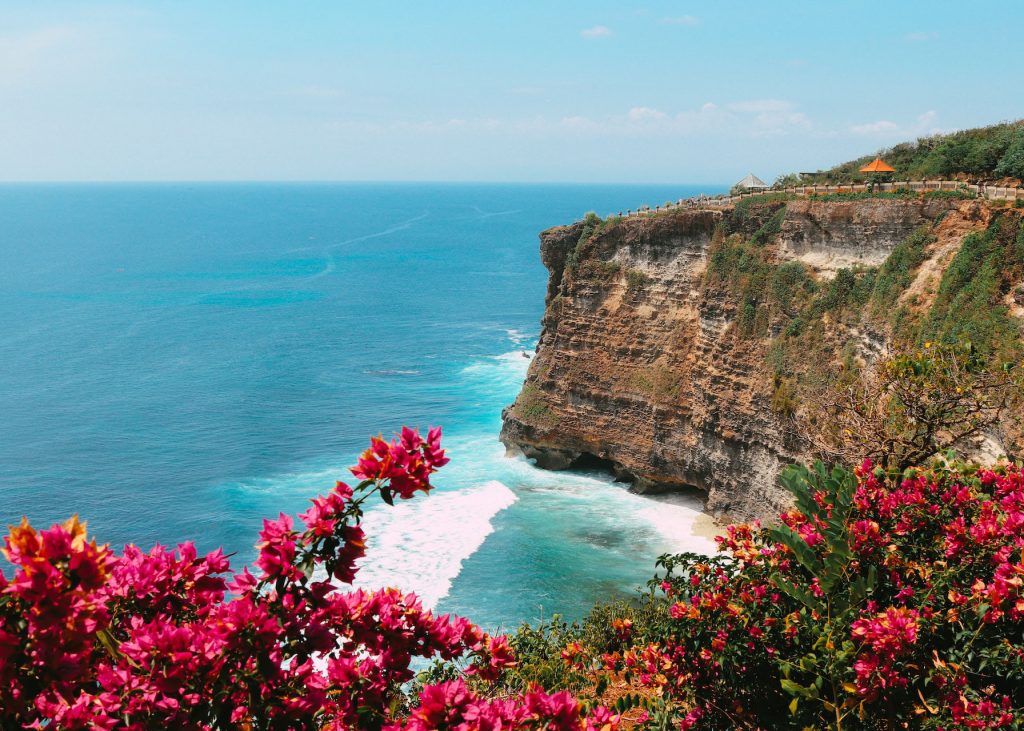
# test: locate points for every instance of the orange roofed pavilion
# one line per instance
(878, 165)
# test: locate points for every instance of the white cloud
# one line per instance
(681, 20)
(26, 54)
(923, 124)
(764, 117)
(744, 119)
(921, 36)
(598, 31)
(645, 114)
(759, 118)
(579, 123)
(771, 123)
(881, 127)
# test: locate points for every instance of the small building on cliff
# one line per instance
(751, 184)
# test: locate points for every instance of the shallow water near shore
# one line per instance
(181, 361)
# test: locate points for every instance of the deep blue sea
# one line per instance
(178, 362)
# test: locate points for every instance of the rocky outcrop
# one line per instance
(832, 235)
(640, 367)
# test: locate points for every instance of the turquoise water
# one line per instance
(180, 361)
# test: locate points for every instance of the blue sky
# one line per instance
(688, 92)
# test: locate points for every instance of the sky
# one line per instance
(554, 91)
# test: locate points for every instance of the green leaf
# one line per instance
(627, 702)
(801, 595)
(793, 541)
(109, 644)
(796, 689)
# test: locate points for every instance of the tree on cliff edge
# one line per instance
(910, 407)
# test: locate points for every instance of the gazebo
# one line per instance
(752, 182)
(878, 165)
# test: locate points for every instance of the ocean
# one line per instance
(179, 361)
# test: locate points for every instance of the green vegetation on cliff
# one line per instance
(970, 304)
(815, 329)
(774, 297)
(983, 153)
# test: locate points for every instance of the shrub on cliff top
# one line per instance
(91, 639)
(750, 214)
(791, 283)
(769, 229)
(981, 153)
(592, 225)
(1011, 164)
(635, 280)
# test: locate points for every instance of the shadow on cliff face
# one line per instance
(592, 463)
(564, 459)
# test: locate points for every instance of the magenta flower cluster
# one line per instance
(168, 639)
(882, 601)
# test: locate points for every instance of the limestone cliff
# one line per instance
(652, 368)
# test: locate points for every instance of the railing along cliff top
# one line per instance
(986, 192)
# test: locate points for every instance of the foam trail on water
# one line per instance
(419, 545)
(505, 372)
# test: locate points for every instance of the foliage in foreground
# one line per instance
(94, 639)
(882, 601)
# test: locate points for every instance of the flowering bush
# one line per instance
(879, 602)
(169, 639)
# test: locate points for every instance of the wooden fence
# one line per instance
(988, 192)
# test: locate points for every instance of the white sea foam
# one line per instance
(419, 545)
(507, 370)
(670, 520)
(673, 517)
(677, 524)
(516, 336)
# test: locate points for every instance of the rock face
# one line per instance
(831, 235)
(640, 367)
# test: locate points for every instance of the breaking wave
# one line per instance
(419, 545)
